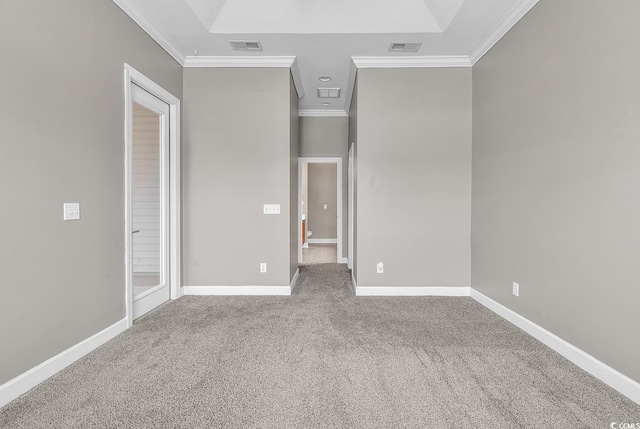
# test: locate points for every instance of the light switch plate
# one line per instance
(273, 209)
(71, 211)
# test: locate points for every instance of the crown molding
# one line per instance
(239, 61)
(151, 29)
(494, 36)
(322, 113)
(351, 84)
(411, 61)
(297, 78)
(289, 62)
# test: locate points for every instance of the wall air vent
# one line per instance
(404, 47)
(245, 45)
(328, 92)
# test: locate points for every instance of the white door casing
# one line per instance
(143, 91)
(338, 162)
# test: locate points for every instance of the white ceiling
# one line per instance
(324, 35)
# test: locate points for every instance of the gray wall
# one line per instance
(62, 122)
(353, 140)
(322, 190)
(328, 137)
(236, 157)
(294, 131)
(556, 173)
(414, 176)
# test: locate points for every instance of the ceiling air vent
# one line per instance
(404, 47)
(245, 45)
(328, 92)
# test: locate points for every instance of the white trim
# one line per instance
(290, 62)
(412, 291)
(322, 113)
(322, 240)
(237, 290)
(351, 84)
(321, 160)
(593, 366)
(151, 29)
(354, 283)
(133, 76)
(494, 36)
(297, 78)
(36, 375)
(294, 281)
(175, 198)
(343, 260)
(240, 61)
(350, 206)
(411, 61)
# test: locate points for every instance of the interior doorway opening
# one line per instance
(320, 210)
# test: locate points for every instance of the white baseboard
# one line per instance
(322, 240)
(294, 281)
(343, 260)
(36, 375)
(354, 284)
(237, 290)
(593, 366)
(412, 291)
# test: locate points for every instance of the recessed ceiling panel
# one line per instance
(325, 16)
(444, 11)
(206, 10)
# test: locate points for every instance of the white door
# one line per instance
(148, 187)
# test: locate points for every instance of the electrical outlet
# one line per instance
(516, 289)
(380, 267)
(263, 267)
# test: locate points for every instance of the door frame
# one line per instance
(350, 207)
(323, 160)
(131, 77)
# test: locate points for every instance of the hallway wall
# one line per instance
(414, 176)
(322, 136)
(239, 153)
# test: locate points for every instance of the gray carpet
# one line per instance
(321, 358)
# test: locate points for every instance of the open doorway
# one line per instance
(320, 209)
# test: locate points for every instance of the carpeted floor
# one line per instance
(321, 358)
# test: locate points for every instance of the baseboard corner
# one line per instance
(294, 281)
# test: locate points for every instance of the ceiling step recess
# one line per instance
(245, 45)
(405, 47)
(328, 92)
